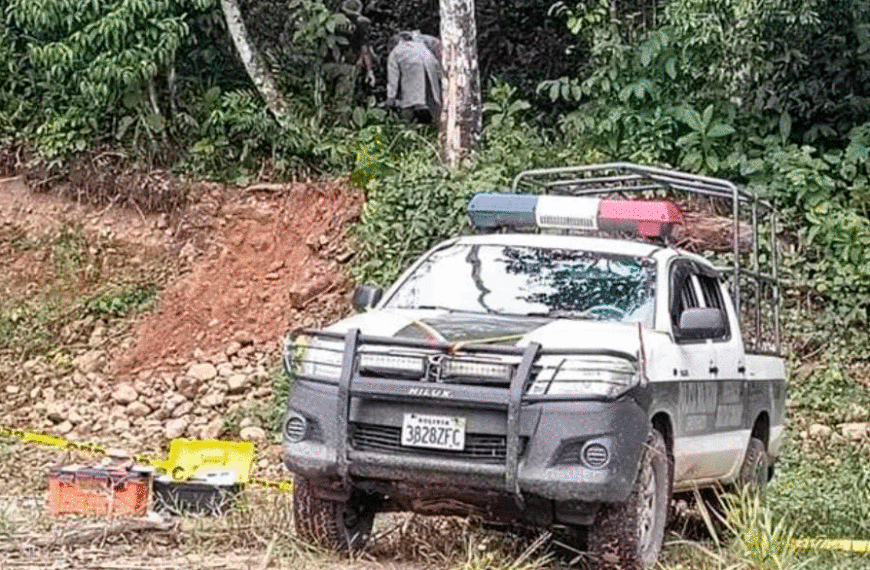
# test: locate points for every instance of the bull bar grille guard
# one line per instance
(351, 384)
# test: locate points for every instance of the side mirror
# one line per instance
(702, 323)
(365, 297)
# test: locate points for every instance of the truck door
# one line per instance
(697, 454)
(732, 433)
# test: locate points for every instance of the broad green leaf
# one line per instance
(690, 140)
(519, 105)
(646, 53)
(784, 126)
(693, 159)
(359, 116)
(752, 166)
(708, 116)
(576, 91)
(554, 91)
(123, 125)
(712, 163)
(717, 130)
(671, 67)
(689, 116)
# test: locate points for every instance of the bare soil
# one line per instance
(237, 270)
(265, 263)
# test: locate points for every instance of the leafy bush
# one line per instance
(830, 395)
(417, 202)
(236, 129)
(119, 303)
(87, 63)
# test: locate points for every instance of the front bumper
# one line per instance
(549, 464)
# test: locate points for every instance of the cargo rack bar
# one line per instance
(623, 177)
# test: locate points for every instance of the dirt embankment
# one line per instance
(270, 263)
(235, 271)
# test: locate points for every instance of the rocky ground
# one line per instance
(233, 273)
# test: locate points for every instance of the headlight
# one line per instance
(382, 363)
(317, 359)
(584, 376)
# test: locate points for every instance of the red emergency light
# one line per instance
(650, 219)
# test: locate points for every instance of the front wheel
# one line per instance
(341, 526)
(629, 535)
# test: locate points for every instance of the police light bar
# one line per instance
(650, 219)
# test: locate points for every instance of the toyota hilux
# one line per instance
(539, 372)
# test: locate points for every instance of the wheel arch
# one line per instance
(661, 421)
(761, 428)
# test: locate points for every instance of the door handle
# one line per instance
(741, 369)
(714, 369)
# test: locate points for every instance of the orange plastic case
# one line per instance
(99, 491)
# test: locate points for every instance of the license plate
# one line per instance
(435, 432)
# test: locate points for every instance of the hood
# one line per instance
(445, 326)
(458, 327)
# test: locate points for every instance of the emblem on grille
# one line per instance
(430, 392)
(434, 367)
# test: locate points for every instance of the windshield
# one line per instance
(525, 280)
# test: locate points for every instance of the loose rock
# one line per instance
(853, 431)
(187, 386)
(237, 383)
(91, 361)
(124, 394)
(175, 428)
(138, 410)
(819, 430)
(203, 371)
(253, 433)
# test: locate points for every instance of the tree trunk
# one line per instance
(253, 62)
(461, 114)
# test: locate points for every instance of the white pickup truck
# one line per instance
(550, 377)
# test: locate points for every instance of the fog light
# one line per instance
(595, 455)
(295, 428)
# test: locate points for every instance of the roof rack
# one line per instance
(626, 178)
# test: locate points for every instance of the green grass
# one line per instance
(824, 493)
(829, 395)
(31, 327)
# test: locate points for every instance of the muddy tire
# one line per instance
(756, 463)
(342, 526)
(629, 535)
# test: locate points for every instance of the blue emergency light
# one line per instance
(489, 212)
(652, 219)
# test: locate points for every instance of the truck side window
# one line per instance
(711, 290)
(685, 297)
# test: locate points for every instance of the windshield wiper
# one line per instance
(565, 314)
(433, 308)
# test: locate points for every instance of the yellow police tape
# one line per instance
(58, 442)
(856, 546)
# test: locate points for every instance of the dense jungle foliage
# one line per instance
(773, 94)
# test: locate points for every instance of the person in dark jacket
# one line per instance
(414, 76)
(356, 56)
